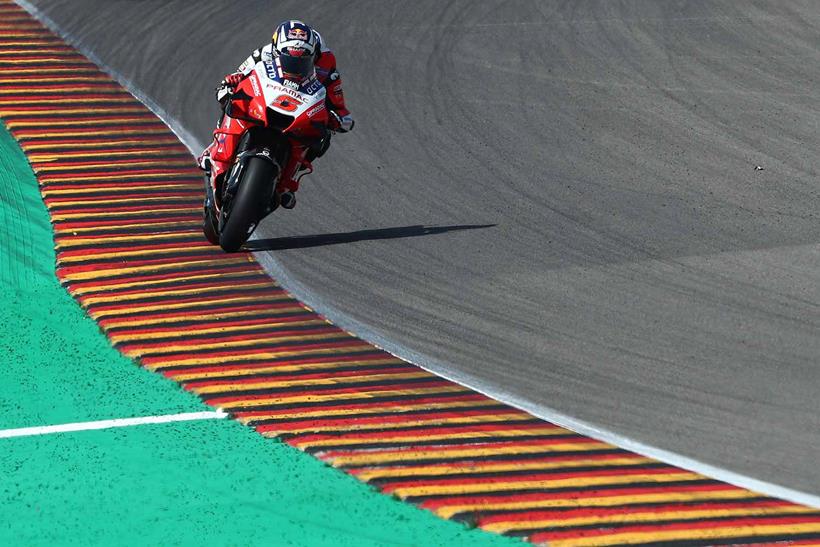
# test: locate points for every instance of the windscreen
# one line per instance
(296, 68)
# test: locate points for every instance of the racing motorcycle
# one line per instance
(268, 121)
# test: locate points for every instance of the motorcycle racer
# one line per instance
(301, 53)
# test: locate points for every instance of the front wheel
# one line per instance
(249, 205)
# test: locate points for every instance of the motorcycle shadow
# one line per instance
(318, 240)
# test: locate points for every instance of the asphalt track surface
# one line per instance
(557, 199)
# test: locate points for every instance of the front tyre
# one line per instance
(249, 205)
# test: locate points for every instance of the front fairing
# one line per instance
(297, 108)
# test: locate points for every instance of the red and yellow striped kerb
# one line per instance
(125, 201)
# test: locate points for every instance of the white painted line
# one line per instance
(304, 294)
(108, 424)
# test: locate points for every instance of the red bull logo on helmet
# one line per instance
(297, 34)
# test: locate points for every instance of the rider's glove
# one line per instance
(232, 80)
(341, 124)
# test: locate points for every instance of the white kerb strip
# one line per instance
(108, 424)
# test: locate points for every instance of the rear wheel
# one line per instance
(249, 205)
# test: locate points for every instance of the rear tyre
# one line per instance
(249, 205)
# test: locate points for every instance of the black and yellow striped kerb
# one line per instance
(125, 201)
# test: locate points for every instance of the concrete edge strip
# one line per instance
(440, 368)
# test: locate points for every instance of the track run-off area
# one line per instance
(223, 329)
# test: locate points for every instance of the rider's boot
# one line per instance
(287, 198)
(291, 176)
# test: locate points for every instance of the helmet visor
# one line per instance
(296, 67)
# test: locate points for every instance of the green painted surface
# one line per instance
(56, 365)
(188, 483)
(183, 483)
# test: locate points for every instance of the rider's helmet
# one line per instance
(296, 47)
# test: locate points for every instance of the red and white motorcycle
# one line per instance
(269, 125)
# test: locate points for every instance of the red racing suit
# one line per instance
(329, 77)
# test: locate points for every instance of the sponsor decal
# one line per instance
(312, 87)
(270, 70)
(255, 86)
(289, 91)
(291, 84)
(297, 34)
(315, 110)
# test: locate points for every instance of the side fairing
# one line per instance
(227, 136)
